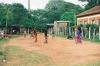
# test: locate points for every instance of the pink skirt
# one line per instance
(78, 38)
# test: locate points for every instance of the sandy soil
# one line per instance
(64, 52)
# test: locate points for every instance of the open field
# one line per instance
(58, 52)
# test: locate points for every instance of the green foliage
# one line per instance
(57, 8)
(3, 12)
(90, 63)
(20, 14)
(93, 26)
(55, 5)
(2, 49)
(81, 25)
(40, 19)
(53, 13)
(27, 58)
(16, 14)
(91, 3)
(87, 26)
(68, 16)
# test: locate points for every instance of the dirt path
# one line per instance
(62, 51)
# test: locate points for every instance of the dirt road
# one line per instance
(63, 52)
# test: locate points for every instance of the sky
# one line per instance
(37, 4)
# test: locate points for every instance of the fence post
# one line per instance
(82, 31)
(94, 34)
(89, 33)
(65, 30)
(86, 33)
(58, 31)
(99, 32)
(69, 31)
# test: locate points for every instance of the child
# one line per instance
(46, 36)
(78, 35)
(53, 33)
(25, 33)
(35, 35)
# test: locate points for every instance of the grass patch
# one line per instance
(92, 40)
(90, 63)
(2, 50)
(20, 57)
(2, 41)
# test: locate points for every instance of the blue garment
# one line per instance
(78, 33)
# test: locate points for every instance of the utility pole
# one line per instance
(99, 32)
(29, 11)
(29, 5)
(6, 21)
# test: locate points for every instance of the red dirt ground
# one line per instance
(61, 50)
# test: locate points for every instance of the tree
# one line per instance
(69, 16)
(19, 13)
(40, 19)
(71, 13)
(9, 14)
(90, 0)
(2, 14)
(55, 5)
(15, 15)
(5, 14)
(91, 3)
(56, 8)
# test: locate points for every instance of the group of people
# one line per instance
(34, 35)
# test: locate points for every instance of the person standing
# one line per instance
(53, 33)
(25, 33)
(78, 35)
(35, 35)
(46, 36)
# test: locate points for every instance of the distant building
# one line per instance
(50, 28)
(60, 26)
(91, 16)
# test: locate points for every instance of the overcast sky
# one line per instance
(37, 4)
